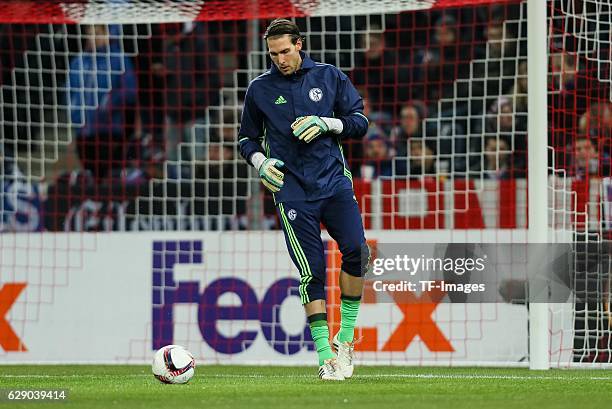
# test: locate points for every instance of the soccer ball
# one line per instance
(173, 364)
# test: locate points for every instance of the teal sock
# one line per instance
(349, 307)
(320, 336)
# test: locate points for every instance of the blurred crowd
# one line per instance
(445, 92)
(456, 106)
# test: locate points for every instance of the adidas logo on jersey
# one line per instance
(280, 100)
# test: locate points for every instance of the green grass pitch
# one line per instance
(298, 388)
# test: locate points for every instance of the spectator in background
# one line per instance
(586, 161)
(596, 122)
(501, 117)
(377, 156)
(102, 99)
(595, 125)
(500, 42)
(496, 66)
(519, 89)
(382, 71)
(354, 148)
(446, 136)
(564, 71)
(226, 185)
(151, 71)
(497, 159)
(412, 116)
(230, 125)
(422, 156)
(570, 90)
(570, 96)
(25, 89)
(436, 65)
(381, 119)
(504, 123)
(193, 83)
(20, 198)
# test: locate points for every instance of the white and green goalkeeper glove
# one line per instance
(307, 128)
(271, 176)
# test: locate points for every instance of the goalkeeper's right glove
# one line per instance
(271, 176)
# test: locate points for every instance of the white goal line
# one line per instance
(369, 376)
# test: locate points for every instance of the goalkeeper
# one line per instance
(301, 110)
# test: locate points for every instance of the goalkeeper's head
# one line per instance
(284, 44)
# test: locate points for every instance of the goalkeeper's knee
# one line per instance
(356, 260)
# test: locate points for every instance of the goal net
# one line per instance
(129, 221)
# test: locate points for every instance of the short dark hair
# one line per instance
(282, 26)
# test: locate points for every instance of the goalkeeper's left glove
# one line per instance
(307, 128)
